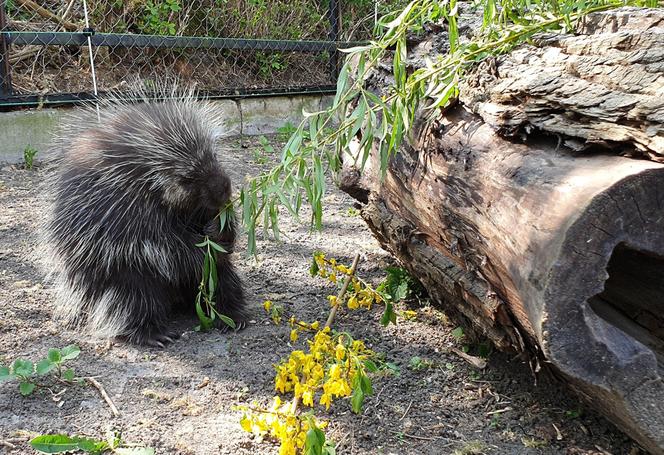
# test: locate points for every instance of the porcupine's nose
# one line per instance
(219, 192)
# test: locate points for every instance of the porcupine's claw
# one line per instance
(161, 341)
(239, 325)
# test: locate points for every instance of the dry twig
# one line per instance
(104, 395)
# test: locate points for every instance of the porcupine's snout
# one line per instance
(217, 192)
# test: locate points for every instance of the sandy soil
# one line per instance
(180, 400)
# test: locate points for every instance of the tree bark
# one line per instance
(521, 215)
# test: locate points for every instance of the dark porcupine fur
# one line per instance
(135, 193)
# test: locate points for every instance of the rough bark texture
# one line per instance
(604, 86)
(540, 247)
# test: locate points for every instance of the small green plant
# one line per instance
(352, 212)
(158, 17)
(61, 443)
(418, 364)
(533, 443)
(286, 131)
(262, 154)
(29, 156)
(27, 372)
(276, 312)
(268, 64)
(471, 448)
(458, 334)
(397, 286)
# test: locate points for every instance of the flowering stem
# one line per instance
(342, 291)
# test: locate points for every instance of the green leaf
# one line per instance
(26, 388)
(392, 367)
(313, 270)
(223, 216)
(370, 366)
(228, 321)
(54, 355)
(70, 352)
(357, 400)
(44, 366)
(457, 333)
(68, 374)
(212, 277)
(217, 247)
(355, 49)
(401, 292)
(206, 322)
(342, 79)
(329, 448)
(388, 315)
(60, 443)
(5, 375)
(365, 384)
(23, 367)
(314, 442)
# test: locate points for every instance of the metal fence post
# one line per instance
(334, 16)
(5, 75)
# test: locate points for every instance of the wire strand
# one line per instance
(92, 60)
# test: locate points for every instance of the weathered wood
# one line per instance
(604, 86)
(540, 247)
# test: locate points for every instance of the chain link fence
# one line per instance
(56, 51)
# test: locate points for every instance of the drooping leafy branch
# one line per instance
(382, 120)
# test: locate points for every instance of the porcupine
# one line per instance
(135, 191)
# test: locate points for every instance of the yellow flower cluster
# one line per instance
(281, 422)
(333, 363)
(275, 311)
(359, 293)
(299, 326)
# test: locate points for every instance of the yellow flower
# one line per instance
(326, 400)
(281, 382)
(409, 314)
(245, 423)
(335, 371)
(315, 325)
(358, 346)
(308, 398)
(357, 287)
(352, 303)
(343, 269)
(267, 305)
(332, 299)
(340, 351)
(287, 447)
(333, 278)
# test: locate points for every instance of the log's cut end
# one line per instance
(603, 306)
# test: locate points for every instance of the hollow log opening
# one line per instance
(633, 297)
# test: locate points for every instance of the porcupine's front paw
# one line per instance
(151, 337)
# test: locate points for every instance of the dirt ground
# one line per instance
(181, 399)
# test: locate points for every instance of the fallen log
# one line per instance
(522, 216)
